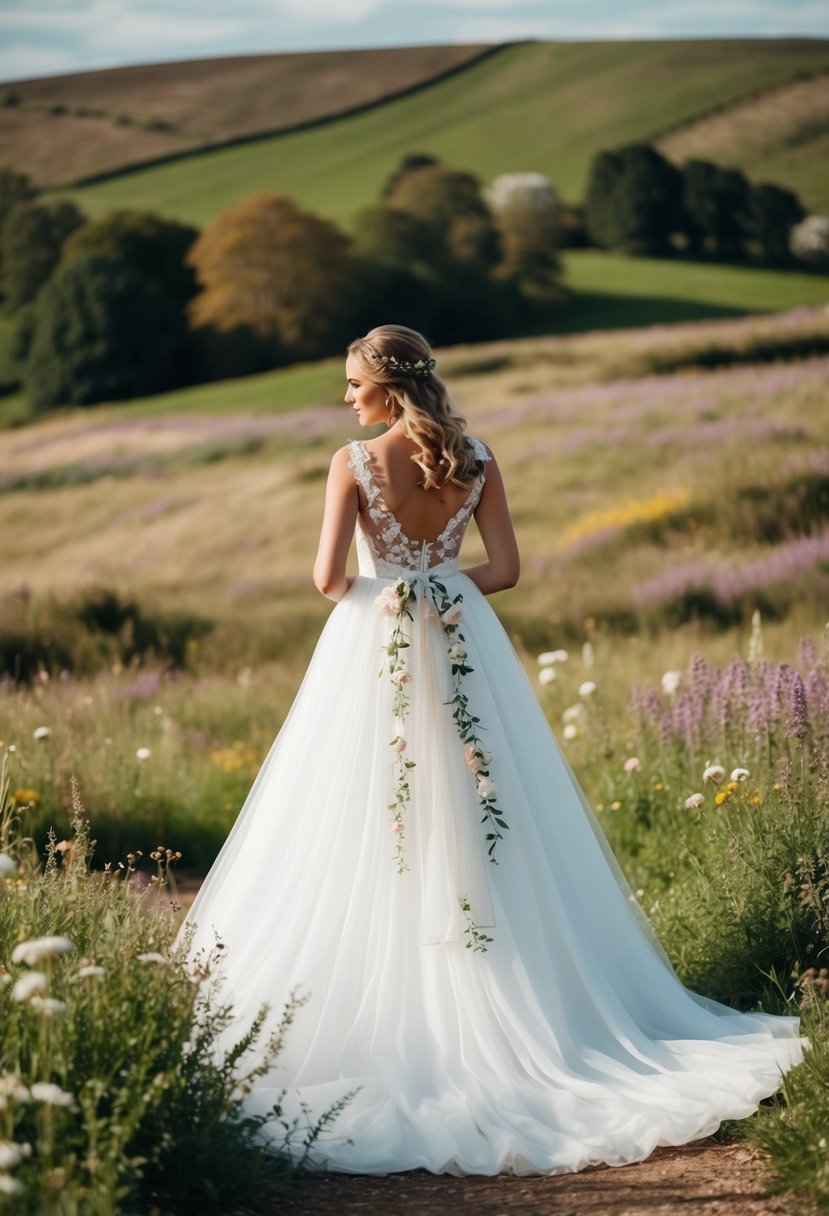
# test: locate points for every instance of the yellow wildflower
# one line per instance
(722, 797)
(21, 797)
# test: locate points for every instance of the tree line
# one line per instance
(134, 303)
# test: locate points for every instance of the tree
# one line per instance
(809, 240)
(100, 333)
(773, 212)
(32, 239)
(14, 188)
(409, 163)
(452, 202)
(526, 210)
(285, 275)
(153, 246)
(633, 200)
(716, 205)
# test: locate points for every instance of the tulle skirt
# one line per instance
(568, 1041)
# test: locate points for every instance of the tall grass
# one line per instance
(113, 1096)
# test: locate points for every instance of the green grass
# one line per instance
(544, 106)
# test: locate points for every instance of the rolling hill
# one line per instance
(64, 128)
(543, 106)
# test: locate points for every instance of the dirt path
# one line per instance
(705, 1178)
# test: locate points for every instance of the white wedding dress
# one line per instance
(568, 1039)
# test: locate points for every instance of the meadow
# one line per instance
(670, 487)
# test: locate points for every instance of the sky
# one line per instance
(45, 37)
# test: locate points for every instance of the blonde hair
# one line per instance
(420, 402)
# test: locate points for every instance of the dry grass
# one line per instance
(202, 102)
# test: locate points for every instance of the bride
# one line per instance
(417, 856)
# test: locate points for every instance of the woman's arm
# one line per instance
(495, 525)
(339, 518)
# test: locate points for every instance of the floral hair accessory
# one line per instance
(408, 367)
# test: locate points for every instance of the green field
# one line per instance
(547, 107)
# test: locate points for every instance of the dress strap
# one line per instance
(358, 460)
(479, 449)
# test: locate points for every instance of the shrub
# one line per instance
(633, 200)
(809, 240)
(33, 238)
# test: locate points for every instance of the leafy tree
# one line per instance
(409, 163)
(287, 276)
(153, 246)
(100, 333)
(633, 200)
(397, 238)
(717, 208)
(452, 202)
(526, 210)
(773, 212)
(14, 188)
(32, 239)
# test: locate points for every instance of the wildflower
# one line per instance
(571, 731)
(456, 652)
(41, 732)
(722, 797)
(7, 865)
(714, 772)
(50, 1094)
(399, 743)
(12, 1087)
(632, 765)
(143, 753)
(29, 985)
(12, 1154)
(9, 1185)
(587, 655)
(152, 956)
(573, 713)
(587, 688)
(48, 1005)
(89, 969)
(696, 800)
(487, 788)
(615, 806)
(40, 948)
(547, 675)
(739, 774)
(671, 681)
(25, 797)
(550, 657)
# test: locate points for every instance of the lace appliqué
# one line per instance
(389, 544)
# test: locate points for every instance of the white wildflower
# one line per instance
(714, 772)
(30, 984)
(587, 688)
(696, 800)
(88, 970)
(573, 713)
(51, 1094)
(547, 675)
(671, 681)
(12, 1087)
(549, 657)
(152, 956)
(41, 732)
(571, 731)
(588, 656)
(7, 865)
(143, 753)
(739, 774)
(33, 952)
(49, 1006)
(12, 1154)
(9, 1185)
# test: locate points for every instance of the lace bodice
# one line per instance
(383, 548)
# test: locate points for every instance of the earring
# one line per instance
(388, 403)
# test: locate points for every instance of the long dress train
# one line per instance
(516, 1016)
